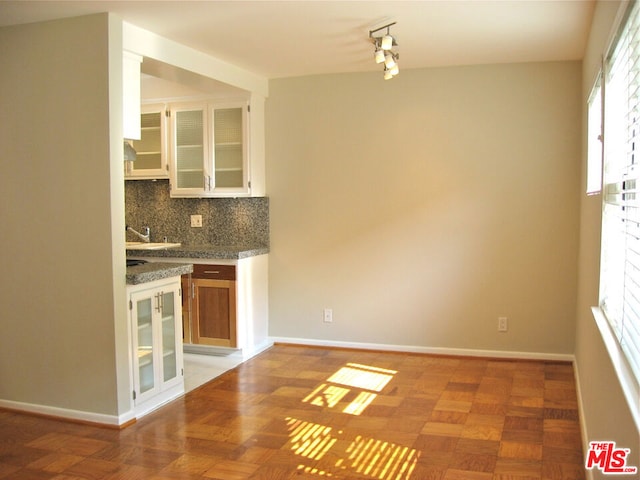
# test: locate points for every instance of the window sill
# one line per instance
(627, 379)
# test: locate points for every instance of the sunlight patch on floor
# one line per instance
(326, 395)
(367, 456)
(380, 459)
(362, 376)
(309, 440)
(351, 378)
(372, 457)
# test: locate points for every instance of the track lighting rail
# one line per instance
(383, 50)
(371, 32)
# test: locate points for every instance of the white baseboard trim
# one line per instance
(459, 352)
(65, 413)
(583, 424)
(248, 353)
(159, 400)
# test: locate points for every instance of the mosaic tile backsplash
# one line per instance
(225, 221)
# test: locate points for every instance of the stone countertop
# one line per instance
(151, 271)
(227, 252)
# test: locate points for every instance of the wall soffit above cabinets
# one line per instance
(161, 81)
(194, 66)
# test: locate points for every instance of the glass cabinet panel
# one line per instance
(190, 148)
(229, 149)
(146, 373)
(149, 147)
(151, 157)
(210, 149)
(169, 353)
(155, 321)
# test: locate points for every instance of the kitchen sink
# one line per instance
(131, 262)
(150, 245)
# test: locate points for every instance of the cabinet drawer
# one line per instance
(214, 272)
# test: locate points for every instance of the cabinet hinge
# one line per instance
(182, 372)
(249, 183)
(167, 113)
(248, 108)
(134, 394)
(130, 305)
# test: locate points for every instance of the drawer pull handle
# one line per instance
(212, 271)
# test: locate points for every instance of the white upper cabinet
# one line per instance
(131, 95)
(230, 148)
(189, 150)
(209, 150)
(151, 151)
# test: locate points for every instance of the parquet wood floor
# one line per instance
(311, 413)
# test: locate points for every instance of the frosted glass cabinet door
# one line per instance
(210, 151)
(169, 351)
(157, 340)
(189, 149)
(143, 338)
(229, 155)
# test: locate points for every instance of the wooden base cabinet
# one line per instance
(156, 339)
(210, 315)
(225, 305)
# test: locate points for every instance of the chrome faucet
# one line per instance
(144, 237)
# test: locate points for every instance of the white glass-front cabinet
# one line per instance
(189, 150)
(156, 334)
(209, 147)
(230, 152)
(151, 150)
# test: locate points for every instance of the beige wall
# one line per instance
(59, 296)
(423, 208)
(606, 411)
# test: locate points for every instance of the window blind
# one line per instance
(620, 263)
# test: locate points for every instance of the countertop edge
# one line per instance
(225, 253)
(152, 271)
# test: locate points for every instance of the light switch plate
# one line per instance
(196, 220)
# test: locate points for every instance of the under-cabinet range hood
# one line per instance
(129, 152)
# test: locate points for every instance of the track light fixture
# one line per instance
(383, 51)
(390, 60)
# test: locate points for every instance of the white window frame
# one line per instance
(595, 133)
(618, 313)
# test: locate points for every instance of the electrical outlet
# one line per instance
(327, 315)
(196, 220)
(503, 324)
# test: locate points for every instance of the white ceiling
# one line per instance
(296, 37)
